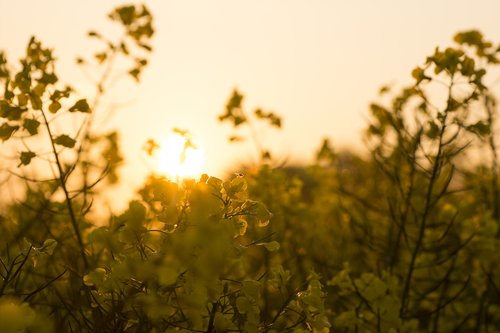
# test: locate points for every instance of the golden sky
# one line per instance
(318, 63)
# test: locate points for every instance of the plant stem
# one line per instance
(62, 182)
(423, 224)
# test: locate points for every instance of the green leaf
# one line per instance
(256, 213)
(241, 226)
(126, 14)
(236, 188)
(471, 37)
(468, 67)
(235, 100)
(214, 182)
(22, 99)
(135, 72)
(39, 89)
(95, 277)
(136, 213)
(26, 157)
(243, 305)
(222, 323)
(251, 289)
(54, 106)
(370, 286)
(8, 94)
(7, 130)
(271, 246)
(419, 75)
(453, 104)
(10, 112)
(433, 131)
(81, 106)
(65, 140)
(18, 317)
(36, 102)
(58, 94)
(48, 246)
(31, 125)
(480, 128)
(48, 78)
(23, 81)
(320, 322)
(167, 275)
(101, 57)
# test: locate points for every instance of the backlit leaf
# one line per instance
(7, 130)
(26, 157)
(81, 106)
(54, 106)
(256, 213)
(31, 125)
(481, 128)
(65, 140)
(271, 246)
(39, 89)
(251, 289)
(236, 188)
(22, 99)
(135, 72)
(36, 102)
(48, 246)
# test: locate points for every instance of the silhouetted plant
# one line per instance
(404, 240)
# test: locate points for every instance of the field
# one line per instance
(402, 239)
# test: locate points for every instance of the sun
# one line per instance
(179, 157)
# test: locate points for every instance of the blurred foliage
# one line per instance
(238, 117)
(402, 240)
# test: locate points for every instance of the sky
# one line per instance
(317, 63)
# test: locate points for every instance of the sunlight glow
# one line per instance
(179, 159)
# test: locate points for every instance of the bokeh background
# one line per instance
(317, 63)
